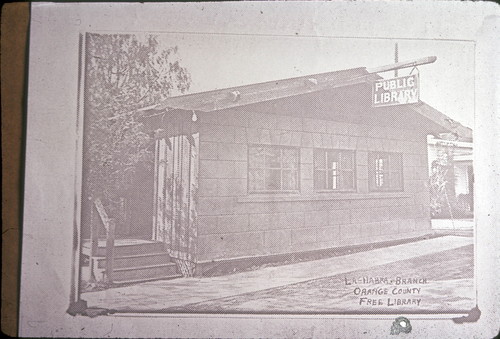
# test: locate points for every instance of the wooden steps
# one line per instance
(134, 261)
(137, 260)
(145, 273)
(132, 249)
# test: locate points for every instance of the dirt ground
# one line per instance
(440, 282)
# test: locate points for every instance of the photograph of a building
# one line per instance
(259, 169)
(188, 187)
(288, 166)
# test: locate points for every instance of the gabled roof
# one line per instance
(220, 99)
(266, 91)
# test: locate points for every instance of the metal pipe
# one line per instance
(402, 64)
(396, 58)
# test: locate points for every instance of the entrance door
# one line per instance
(176, 186)
(138, 204)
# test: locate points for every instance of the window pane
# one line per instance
(272, 168)
(256, 180)
(256, 157)
(333, 180)
(372, 181)
(290, 158)
(319, 180)
(273, 179)
(381, 164)
(333, 164)
(346, 160)
(386, 173)
(337, 164)
(332, 159)
(273, 157)
(290, 180)
(347, 180)
(381, 167)
(319, 159)
(380, 179)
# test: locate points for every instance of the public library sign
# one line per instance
(395, 91)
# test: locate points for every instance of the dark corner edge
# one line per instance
(472, 317)
(80, 307)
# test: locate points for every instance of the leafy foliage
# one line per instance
(442, 183)
(123, 74)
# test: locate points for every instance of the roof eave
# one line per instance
(445, 124)
(268, 91)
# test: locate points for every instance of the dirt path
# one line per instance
(191, 294)
(446, 283)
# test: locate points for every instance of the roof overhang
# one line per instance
(267, 91)
(446, 124)
(240, 96)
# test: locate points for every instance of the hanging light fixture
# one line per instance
(194, 117)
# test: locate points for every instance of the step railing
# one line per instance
(109, 225)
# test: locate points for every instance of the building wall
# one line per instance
(233, 223)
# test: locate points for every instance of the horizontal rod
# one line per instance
(402, 64)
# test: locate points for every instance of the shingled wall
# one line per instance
(233, 223)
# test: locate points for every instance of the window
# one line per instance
(386, 171)
(334, 170)
(272, 168)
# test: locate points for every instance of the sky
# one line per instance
(218, 61)
(230, 44)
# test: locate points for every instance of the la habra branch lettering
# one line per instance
(397, 291)
(395, 91)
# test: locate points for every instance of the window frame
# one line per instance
(281, 168)
(326, 170)
(389, 172)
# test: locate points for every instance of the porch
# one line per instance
(134, 261)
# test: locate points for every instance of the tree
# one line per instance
(123, 74)
(442, 183)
